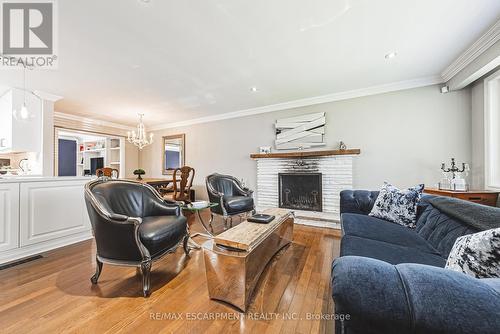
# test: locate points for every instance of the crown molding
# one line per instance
(373, 90)
(490, 37)
(47, 96)
(92, 121)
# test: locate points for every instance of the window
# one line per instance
(492, 130)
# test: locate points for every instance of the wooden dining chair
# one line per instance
(108, 172)
(182, 182)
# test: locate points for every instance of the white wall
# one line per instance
(131, 159)
(403, 136)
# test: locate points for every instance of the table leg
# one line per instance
(210, 234)
(200, 219)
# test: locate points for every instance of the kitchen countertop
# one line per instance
(33, 178)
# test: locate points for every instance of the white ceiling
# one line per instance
(181, 60)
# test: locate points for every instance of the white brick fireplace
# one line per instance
(336, 168)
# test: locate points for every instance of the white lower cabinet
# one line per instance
(37, 216)
(51, 210)
(9, 216)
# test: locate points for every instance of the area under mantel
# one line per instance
(305, 154)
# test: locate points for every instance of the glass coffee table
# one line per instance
(206, 225)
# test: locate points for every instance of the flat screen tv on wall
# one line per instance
(95, 164)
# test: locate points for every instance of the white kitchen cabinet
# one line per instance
(9, 216)
(18, 134)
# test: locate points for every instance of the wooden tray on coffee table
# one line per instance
(247, 235)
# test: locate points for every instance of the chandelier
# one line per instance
(140, 139)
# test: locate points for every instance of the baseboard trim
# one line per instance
(21, 261)
(31, 250)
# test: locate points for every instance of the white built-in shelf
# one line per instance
(79, 164)
(94, 150)
(114, 148)
(114, 163)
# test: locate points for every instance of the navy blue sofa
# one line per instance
(391, 279)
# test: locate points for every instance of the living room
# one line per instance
(226, 166)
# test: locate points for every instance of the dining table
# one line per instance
(162, 184)
(157, 183)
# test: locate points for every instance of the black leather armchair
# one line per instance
(233, 198)
(132, 225)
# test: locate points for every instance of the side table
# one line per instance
(207, 226)
(484, 197)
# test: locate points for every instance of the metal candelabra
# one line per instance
(453, 169)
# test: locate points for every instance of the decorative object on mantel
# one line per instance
(300, 132)
(140, 139)
(342, 146)
(306, 154)
(453, 178)
(265, 149)
(139, 172)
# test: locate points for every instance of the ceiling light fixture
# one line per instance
(391, 55)
(254, 89)
(140, 139)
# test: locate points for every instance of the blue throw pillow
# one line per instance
(398, 206)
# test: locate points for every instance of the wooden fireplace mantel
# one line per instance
(305, 154)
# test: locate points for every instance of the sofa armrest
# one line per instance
(411, 298)
(370, 295)
(357, 201)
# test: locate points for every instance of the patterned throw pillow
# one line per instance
(398, 206)
(477, 254)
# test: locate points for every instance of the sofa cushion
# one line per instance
(381, 230)
(478, 216)
(444, 301)
(398, 206)
(494, 283)
(477, 254)
(159, 233)
(440, 230)
(391, 253)
(412, 298)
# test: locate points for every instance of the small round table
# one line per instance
(197, 211)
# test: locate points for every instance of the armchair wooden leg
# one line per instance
(98, 269)
(185, 244)
(146, 278)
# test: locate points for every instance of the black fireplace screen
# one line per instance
(301, 191)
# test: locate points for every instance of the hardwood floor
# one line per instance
(54, 294)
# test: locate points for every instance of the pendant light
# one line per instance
(23, 113)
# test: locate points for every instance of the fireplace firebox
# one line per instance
(300, 191)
